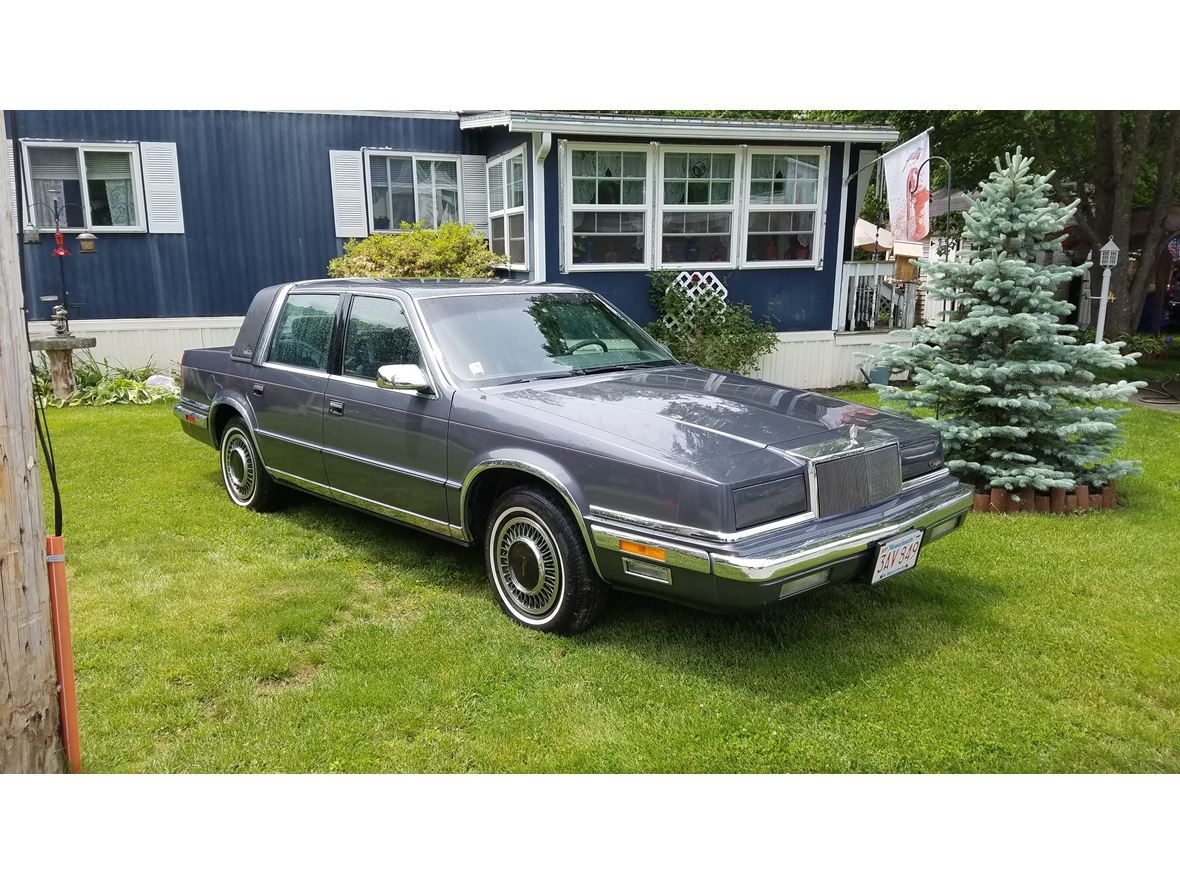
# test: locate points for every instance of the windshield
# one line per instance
(494, 339)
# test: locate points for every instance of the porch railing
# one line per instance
(873, 300)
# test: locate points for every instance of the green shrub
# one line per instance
(453, 250)
(722, 335)
(100, 384)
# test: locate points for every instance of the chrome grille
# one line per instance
(857, 480)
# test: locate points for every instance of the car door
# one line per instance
(287, 389)
(385, 450)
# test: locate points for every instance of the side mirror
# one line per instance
(403, 377)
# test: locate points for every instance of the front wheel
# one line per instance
(246, 481)
(538, 564)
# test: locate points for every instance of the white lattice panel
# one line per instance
(701, 290)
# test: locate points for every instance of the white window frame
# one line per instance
(503, 160)
(819, 207)
(80, 148)
(366, 153)
(733, 207)
(569, 207)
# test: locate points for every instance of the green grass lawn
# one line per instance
(208, 638)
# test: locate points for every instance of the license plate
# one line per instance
(897, 554)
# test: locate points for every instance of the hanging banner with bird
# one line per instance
(907, 181)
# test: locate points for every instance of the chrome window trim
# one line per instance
(408, 308)
(298, 370)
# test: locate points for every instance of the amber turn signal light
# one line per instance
(642, 550)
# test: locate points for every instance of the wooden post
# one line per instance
(30, 724)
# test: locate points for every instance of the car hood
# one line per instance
(695, 416)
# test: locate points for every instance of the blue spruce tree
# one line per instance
(1013, 394)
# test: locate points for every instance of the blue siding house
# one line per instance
(197, 210)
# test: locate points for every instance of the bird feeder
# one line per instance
(86, 242)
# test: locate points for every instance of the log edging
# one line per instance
(1059, 501)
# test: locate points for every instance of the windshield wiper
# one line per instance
(548, 377)
(597, 370)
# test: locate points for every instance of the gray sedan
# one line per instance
(540, 423)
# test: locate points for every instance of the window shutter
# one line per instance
(348, 194)
(161, 187)
(475, 192)
(12, 177)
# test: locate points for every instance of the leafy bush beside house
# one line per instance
(453, 250)
(720, 335)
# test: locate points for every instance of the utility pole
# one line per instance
(30, 724)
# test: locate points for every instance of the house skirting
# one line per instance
(819, 359)
(802, 359)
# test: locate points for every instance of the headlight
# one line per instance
(921, 458)
(770, 501)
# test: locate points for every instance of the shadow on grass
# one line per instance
(812, 645)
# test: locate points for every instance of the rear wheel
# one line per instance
(538, 565)
(246, 481)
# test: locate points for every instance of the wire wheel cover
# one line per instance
(237, 466)
(527, 565)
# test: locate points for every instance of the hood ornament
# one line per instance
(852, 430)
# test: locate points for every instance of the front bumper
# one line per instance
(762, 571)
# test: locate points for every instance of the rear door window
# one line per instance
(303, 333)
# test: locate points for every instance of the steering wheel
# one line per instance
(586, 342)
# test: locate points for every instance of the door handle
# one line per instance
(257, 390)
(336, 407)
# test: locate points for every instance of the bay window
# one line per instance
(704, 206)
(506, 209)
(96, 187)
(608, 193)
(410, 188)
(783, 209)
(697, 207)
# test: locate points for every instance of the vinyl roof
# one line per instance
(688, 127)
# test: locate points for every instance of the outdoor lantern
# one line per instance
(86, 241)
(1108, 256)
(32, 234)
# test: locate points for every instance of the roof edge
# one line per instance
(692, 127)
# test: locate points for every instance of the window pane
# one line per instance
(585, 190)
(696, 237)
(516, 251)
(698, 192)
(54, 175)
(496, 186)
(761, 166)
(516, 226)
(110, 189)
(721, 193)
(303, 334)
(497, 238)
(610, 164)
(784, 179)
(635, 165)
(632, 192)
(675, 165)
(446, 174)
(608, 249)
(675, 193)
(516, 182)
(778, 247)
(585, 163)
(447, 209)
(378, 334)
(609, 192)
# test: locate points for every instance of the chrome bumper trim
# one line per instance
(675, 556)
(762, 569)
(184, 413)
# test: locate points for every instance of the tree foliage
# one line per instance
(1013, 394)
(453, 250)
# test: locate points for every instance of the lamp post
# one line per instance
(1108, 257)
(86, 243)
